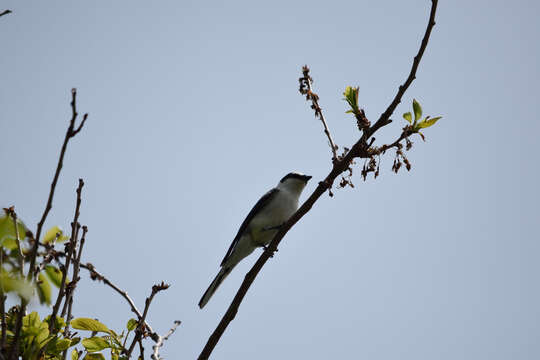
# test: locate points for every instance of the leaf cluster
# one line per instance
(39, 339)
(415, 125)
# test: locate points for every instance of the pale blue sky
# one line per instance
(195, 113)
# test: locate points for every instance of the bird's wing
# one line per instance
(263, 201)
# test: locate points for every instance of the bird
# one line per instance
(260, 226)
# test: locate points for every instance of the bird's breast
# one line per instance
(273, 215)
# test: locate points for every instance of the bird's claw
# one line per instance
(272, 254)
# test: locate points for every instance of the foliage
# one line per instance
(39, 338)
(416, 125)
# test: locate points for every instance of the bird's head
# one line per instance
(294, 182)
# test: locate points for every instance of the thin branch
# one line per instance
(306, 89)
(140, 328)
(73, 283)
(71, 247)
(49, 254)
(382, 149)
(384, 119)
(95, 275)
(141, 349)
(13, 214)
(70, 133)
(359, 149)
(162, 339)
(4, 324)
(5, 12)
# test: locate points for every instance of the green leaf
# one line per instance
(88, 324)
(351, 96)
(54, 274)
(12, 283)
(63, 344)
(44, 289)
(7, 230)
(43, 336)
(428, 122)
(31, 320)
(50, 235)
(9, 243)
(74, 354)
(95, 344)
(132, 324)
(75, 341)
(417, 110)
(94, 356)
(407, 116)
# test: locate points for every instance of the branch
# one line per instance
(140, 328)
(359, 149)
(11, 212)
(384, 119)
(155, 354)
(73, 284)
(3, 314)
(141, 349)
(5, 12)
(69, 253)
(305, 89)
(95, 275)
(70, 133)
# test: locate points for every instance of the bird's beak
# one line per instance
(307, 177)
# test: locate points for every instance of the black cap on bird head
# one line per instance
(295, 175)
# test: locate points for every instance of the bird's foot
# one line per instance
(272, 254)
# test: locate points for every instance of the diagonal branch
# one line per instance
(384, 119)
(359, 149)
(5, 12)
(95, 275)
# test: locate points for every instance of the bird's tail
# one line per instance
(222, 274)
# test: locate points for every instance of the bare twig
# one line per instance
(382, 149)
(384, 119)
(49, 254)
(95, 275)
(70, 133)
(5, 12)
(305, 89)
(162, 339)
(71, 248)
(73, 284)
(358, 150)
(141, 349)
(140, 328)
(13, 214)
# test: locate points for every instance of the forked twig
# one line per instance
(95, 275)
(162, 339)
(140, 327)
